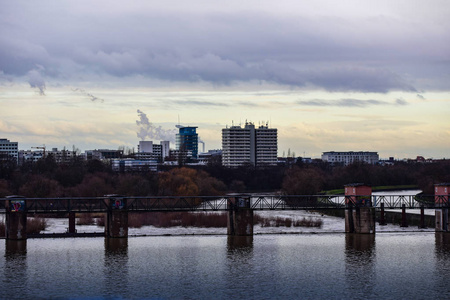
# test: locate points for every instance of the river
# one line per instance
(288, 266)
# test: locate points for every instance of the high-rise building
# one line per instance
(187, 140)
(249, 145)
(8, 149)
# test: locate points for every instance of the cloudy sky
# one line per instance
(330, 75)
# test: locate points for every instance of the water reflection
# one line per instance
(360, 262)
(15, 268)
(240, 244)
(15, 248)
(116, 247)
(443, 245)
(240, 267)
(116, 266)
(442, 264)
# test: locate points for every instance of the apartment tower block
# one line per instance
(249, 145)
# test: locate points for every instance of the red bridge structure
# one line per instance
(358, 202)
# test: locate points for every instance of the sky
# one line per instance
(329, 75)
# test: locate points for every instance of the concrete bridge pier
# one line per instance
(240, 217)
(359, 214)
(16, 218)
(116, 225)
(441, 196)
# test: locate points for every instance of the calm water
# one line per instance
(331, 266)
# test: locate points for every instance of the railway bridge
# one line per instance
(358, 202)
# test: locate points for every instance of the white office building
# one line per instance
(8, 149)
(249, 145)
(349, 157)
(149, 150)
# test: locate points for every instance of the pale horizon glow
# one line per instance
(330, 76)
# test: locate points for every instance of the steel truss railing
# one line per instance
(224, 203)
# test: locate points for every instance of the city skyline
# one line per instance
(330, 76)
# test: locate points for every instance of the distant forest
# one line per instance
(93, 178)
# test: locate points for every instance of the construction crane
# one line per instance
(40, 147)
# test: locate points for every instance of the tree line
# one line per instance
(93, 178)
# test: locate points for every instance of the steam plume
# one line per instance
(36, 80)
(148, 130)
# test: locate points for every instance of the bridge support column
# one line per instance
(116, 225)
(422, 217)
(359, 215)
(72, 223)
(16, 218)
(404, 221)
(441, 195)
(382, 216)
(240, 217)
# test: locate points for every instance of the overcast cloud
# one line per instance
(329, 75)
(338, 46)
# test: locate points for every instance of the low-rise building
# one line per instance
(136, 165)
(349, 157)
(102, 154)
(60, 156)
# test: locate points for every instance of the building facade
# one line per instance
(349, 157)
(60, 156)
(103, 154)
(133, 165)
(187, 140)
(249, 145)
(9, 149)
(149, 150)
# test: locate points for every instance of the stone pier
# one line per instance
(359, 214)
(16, 218)
(116, 225)
(240, 216)
(441, 196)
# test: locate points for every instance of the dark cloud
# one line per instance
(421, 97)
(401, 102)
(88, 95)
(349, 102)
(192, 102)
(342, 102)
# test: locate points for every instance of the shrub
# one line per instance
(85, 219)
(35, 225)
(100, 220)
(308, 223)
(171, 219)
(287, 222)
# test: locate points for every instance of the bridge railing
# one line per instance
(289, 202)
(177, 203)
(224, 203)
(62, 205)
